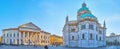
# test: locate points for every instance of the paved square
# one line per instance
(50, 47)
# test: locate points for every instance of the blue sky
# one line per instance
(50, 15)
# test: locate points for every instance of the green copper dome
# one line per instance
(84, 12)
(87, 15)
(84, 8)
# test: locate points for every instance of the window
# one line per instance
(96, 37)
(100, 38)
(10, 41)
(44, 37)
(91, 37)
(100, 32)
(14, 35)
(21, 41)
(83, 36)
(72, 37)
(73, 30)
(91, 27)
(83, 27)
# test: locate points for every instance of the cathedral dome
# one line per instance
(84, 8)
(84, 12)
(87, 15)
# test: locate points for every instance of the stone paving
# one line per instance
(53, 47)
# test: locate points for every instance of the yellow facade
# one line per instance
(0, 39)
(56, 40)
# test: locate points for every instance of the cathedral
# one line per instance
(86, 31)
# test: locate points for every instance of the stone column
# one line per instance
(19, 41)
(23, 37)
(28, 38)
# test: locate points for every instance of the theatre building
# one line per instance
(26, 34)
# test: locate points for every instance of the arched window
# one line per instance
(100, 38)
(91, 27)
(72, 37)
(96, 37)
(83, 36)
(41, 36)
(91, 37)
(83, 27)
(73, 30)
(14, 34)
(100, 32)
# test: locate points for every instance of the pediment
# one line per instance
(29, 25)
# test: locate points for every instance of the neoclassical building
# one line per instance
(86, 31)
(26, 34)
(113, 39)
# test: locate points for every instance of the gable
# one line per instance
(29, 25)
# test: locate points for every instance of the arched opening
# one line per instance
(72, 37)
(91, 37)
(100, 38)
(83, 36)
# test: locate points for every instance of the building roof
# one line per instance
(10, 29)
(57, 36)
(29, 25)
(45, 32)
(113, 36)
(72, 23)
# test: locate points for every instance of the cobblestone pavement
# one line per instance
(50, 47)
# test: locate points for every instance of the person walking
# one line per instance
(45, 47)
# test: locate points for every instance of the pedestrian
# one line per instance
(45, 47)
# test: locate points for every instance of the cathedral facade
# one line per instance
(86, 31)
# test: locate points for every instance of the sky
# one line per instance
(50, 15)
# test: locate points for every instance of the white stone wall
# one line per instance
(113, 40)
(78, 41)
(18, 39)
(10, 37)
